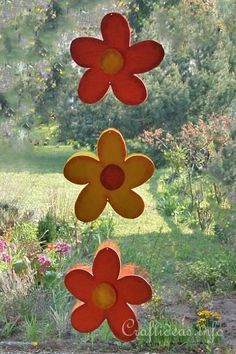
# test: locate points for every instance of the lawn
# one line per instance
(185, 266)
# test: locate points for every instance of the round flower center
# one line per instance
(111, 61)
(112, 177)
(104, 296)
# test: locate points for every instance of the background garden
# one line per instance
(185, 241)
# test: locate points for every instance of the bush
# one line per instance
(201, 275)
(47, 229)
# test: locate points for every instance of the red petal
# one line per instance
(134, 289)
(123, 322)
(115, 31)
(86, 317)
(144, 56)
(106, 265)
(93, 86)
(87, 51)
(80, 283)
(129, 89)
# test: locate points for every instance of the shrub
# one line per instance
(47, 229)
(201, 275)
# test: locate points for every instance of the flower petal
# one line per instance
(80, 283)
(106, 265)
(126, 203)
(111, 147)
(138, 169)
(82, 167)
(93, 86)
(129, 89)
(86, 317)
(134, 289)
(123, 322)
(90, 203)
(144, 56)
(116, 31)
(87, 51)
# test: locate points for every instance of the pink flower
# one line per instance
(62, 248)
(44, 262)
(6, 258)
(3, 245)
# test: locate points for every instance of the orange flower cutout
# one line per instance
(107, 290)
(110, 177)
(113, 62)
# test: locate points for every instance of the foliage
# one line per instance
(194, 146)
(93, 234)
(189, 193)
(139, 11)
(47, 229)
(202, 275)
(223, 166)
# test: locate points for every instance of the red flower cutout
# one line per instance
(113, 62)
(107, 290)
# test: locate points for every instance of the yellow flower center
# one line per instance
(112, 177)
(104, 296)
(112, 61)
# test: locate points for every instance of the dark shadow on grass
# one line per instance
(159, 252)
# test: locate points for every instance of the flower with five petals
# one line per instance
(107, 290)
(110, 177)
(114, 62)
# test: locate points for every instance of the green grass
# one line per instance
(33, 159)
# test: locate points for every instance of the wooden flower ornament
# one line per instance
(107, 290)
(113, 62)
(110, 176)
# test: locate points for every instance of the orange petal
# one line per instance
(80, 283)
(126, 203)
(144, 56)
(82, 168)
(86, 51)
(134, 289)
(115, 31)
(123, 322)
(138, 169)
(129, 89)
(111, 147)
(90, 203)
(93, 86)
(86, 317)
(106, 265)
